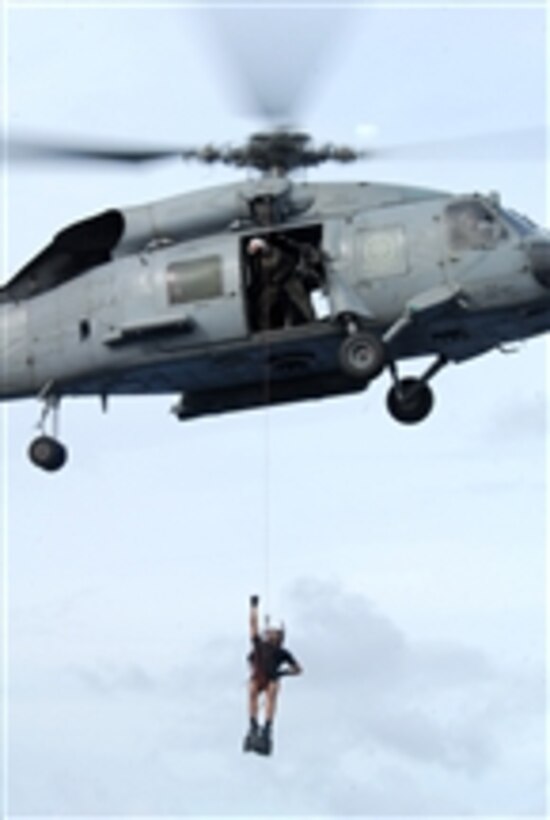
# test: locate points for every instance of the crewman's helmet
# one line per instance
(257, 245)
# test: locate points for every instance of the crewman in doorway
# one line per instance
(282, 293)
(269, 661)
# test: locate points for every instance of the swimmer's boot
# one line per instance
(252, 737)
(264, 745)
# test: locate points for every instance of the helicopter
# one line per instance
(162, 298)
(166, 298)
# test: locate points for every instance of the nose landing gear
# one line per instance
(46, 451)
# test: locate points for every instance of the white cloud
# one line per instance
(379, 724)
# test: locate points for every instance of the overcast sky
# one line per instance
(408, 564)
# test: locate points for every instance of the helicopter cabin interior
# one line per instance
(283, 277)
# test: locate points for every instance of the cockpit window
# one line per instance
(73, 251)
(473, 226)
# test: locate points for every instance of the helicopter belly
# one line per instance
(266, 393)
(294, 355)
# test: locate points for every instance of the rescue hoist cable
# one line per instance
(267, 482)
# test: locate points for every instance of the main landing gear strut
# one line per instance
(364, 355)
(46, 451)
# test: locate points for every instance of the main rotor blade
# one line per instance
(528, 144)
(276, 54)
(21, 149)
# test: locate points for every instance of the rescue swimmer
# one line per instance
(269, 661)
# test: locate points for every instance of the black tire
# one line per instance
(410, 401)
(362, 356)
(47, 453)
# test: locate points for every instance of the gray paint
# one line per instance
(387, 246)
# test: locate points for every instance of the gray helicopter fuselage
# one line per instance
(166, 308)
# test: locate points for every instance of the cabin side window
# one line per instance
(472, 225)
(194, 280)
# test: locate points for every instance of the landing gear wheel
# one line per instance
(362, 356)
(410, 401)
(48, 453)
